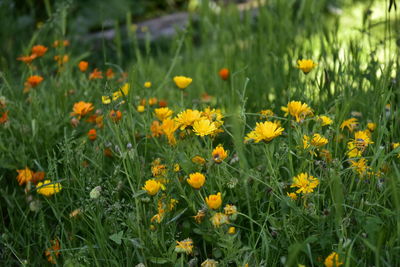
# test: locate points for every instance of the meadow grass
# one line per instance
(102, 216)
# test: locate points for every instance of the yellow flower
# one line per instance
(214, 115)
(316, 141)
(332, 260)
(305, 183)
(47, 188)
(360, 166)
(81, 109)
(266, 113)
(306, 65)
(187, 118)
(362, 139)
(199, 160)
(105, 100)
(325, 120)
(371, 126)
(218, 219)
(353, 151)
(219, 154)
(147, 84)
(231, 230)
(123, 91)
(265, 131)
(182, 82)
(214, 201)
(396, 145)
(152, 187)
(184, 246)
(140, 108)
(24, 176)
(196, 180)
(169, 127)
(350, 124)
(163, 113)
(292, 195)
(203, 127)
(298, 110)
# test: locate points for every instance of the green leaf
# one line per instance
(117, 238)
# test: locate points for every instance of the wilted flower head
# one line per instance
(95, 192)
(209, 263)
(184, 246)
(219, 219)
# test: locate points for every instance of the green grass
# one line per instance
(357, 217)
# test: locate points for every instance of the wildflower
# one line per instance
(219, 219)
(115, 116)
(360, 166)
(350, 124)
(105, 100)
(292, 195)
(332, 260)
(147, 84)
(199, 160)
(163, 113)
(214, 201)
(231, 230)
(81, 109)
(107, 152)
(158, 169)
(53, 252)
(224, 74)
(24, 176)
(61, 59)
(58, 43)
(184, 246)
(153, 101)
(317, 140)
(37, 176)
(230, 209)
(325, 155)
(123, 91)
(206, 98)
(305, 183)
(362, 139)
(83, 66)
(199, 216)
(34, 80)
(203, 127)
(265, 131)
(140, 108)
(4, 117)
(96, 74)
(187, 118)
(219, 154)
(306, 65)
(177, 167)
(324, 120)
(48, 188)
(169, 127)
(152, 187)
(75, 213)
(298, 110)
(92, 134)
(266, 113)
(156, 129)
(396, 145)
(182, 82)
(27, 59)
(39, 50)
(353, 151)
(371, 126)
(110, 73)
(162, 103)
(209, 263)
(196, 180)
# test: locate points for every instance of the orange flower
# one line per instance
(110, 73)
(53, 252)
(83, 65)
(39, 50)
(38, 176)
(4, 117)
(81, 108)
(24, 176)
(27, 59)
(224, 74)
(214, 201)
(92, 134)
(61, 59)
(96, 74)
(162, 103)
(34, 80)
(115, 116)
(156, 129)
(107, 152)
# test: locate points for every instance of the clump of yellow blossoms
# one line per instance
(219, 154)
(214, 201)
(152, 187)
(184, 246)
(298, 110)
(305, 183)
(48, 188)
(332, 260)
(306, 65)
(196, 180)
(182, 82)
(264, 131)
